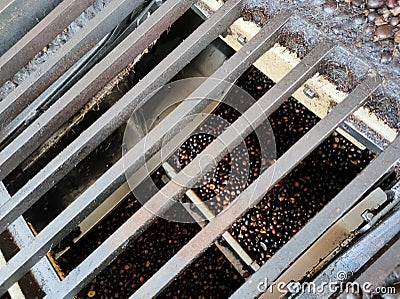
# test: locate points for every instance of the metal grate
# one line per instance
(33, 248)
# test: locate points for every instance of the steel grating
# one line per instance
(36, 39)
(102, 73)
(57, 114)
(362, 253)
(17, 17)
(115, 175)
(102, 24)
(11, 211)
(19, 229)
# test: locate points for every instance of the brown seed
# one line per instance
(395, 21)
(91, 294)
(391, 3)
(379, 21)
(375, 3)
(395, 11)
(383, 32)
(397, 37)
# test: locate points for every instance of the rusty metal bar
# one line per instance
(332, 212)
(24, 117)
(252, 118)
(103, 72)
(74, 73)
(230, 70)
(43, 271)
(88, 140)
(163, 199)
(111, 120)
(70, 53)
(17, 17)
(365, 250)
(36, 39)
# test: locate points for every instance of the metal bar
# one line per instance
(332, 212)
(329, 246)
(354, 259)
(4, 4)
(164, 199)
(89, 139)
(43, 271)
(209, 214)
(103, 72)
(112, 119)
(380, 269)
(143, 218)
(23, 118)
(70, 53)
(19, 16)
(233, 252)
(14, 291)
(74, 73)
(361, 137)
(35, 40)
(253, 117)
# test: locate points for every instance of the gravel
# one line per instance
(369, 29)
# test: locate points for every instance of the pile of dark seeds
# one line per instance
(262, 231)
(231, 175)
(368, 28)
(357, 23)
(307, 189)
(298, 197)
(140, 260)
(382, 18)
(143, 257)
(211, 276)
